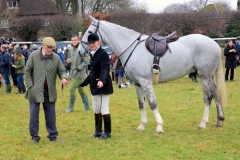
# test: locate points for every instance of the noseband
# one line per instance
(83, 43)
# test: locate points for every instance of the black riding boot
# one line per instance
(23, 89)
(98, 125)
(19, 89)
(107, 127)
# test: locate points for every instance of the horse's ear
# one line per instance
(91, 18)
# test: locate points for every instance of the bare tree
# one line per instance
(83, 7)
(178, 8)
(103, 6)
(61, 5)
(27, 28)
(63, 26)
(224, 3)
(195, 5)
(137, 20)
(198, 4)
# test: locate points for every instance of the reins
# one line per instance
(132, 50)
(138, 39)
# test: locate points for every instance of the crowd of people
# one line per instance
(10, 55)
(41, 66)
(13, 59)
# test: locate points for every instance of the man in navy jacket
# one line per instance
(5, 66)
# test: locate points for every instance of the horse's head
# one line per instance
(93, 28)
(117, 37)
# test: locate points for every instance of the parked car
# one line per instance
(59, 44)
(108, 50)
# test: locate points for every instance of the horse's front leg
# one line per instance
(149, 92)
(142, 107)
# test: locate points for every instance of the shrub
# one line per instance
(27, 27)
(63, 26)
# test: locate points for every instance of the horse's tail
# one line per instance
(220, 83)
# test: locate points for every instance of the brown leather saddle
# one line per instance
(158, 45)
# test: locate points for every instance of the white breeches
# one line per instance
(100, 102)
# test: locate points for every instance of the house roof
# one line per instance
(214, 9)
(37, 7)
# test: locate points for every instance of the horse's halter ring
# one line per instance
(83, 43)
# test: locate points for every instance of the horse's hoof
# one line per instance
(158, 133)
(219, 124)
(201, 128)
(221, 118)
(140, 130)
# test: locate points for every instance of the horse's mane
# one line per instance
(124, 35)
(124, 29)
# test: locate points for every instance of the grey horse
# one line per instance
(188, 54)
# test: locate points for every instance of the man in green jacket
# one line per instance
(77, 74)
(41, 71)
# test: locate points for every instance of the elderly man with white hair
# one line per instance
(34, 48)
(41, 72)
(61, 55)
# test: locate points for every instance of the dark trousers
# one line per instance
(50, 118)
(231, 74)
(67, 68)
(6, 79)
(14, 76)
(193, 74)
(20, 81)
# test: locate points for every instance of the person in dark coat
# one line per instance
(34, 48)
(230, 64)
(5, 66)
(2, 83)
(67, 58)
(13, 70)
(25, 53)
(100, 86)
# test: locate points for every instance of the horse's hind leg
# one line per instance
(209, 92)
(208, 89)
(142, 107)
(220, 114)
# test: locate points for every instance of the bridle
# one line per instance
(83, 43)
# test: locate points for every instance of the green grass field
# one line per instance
(180, 103)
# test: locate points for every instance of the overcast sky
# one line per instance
(159, 5)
